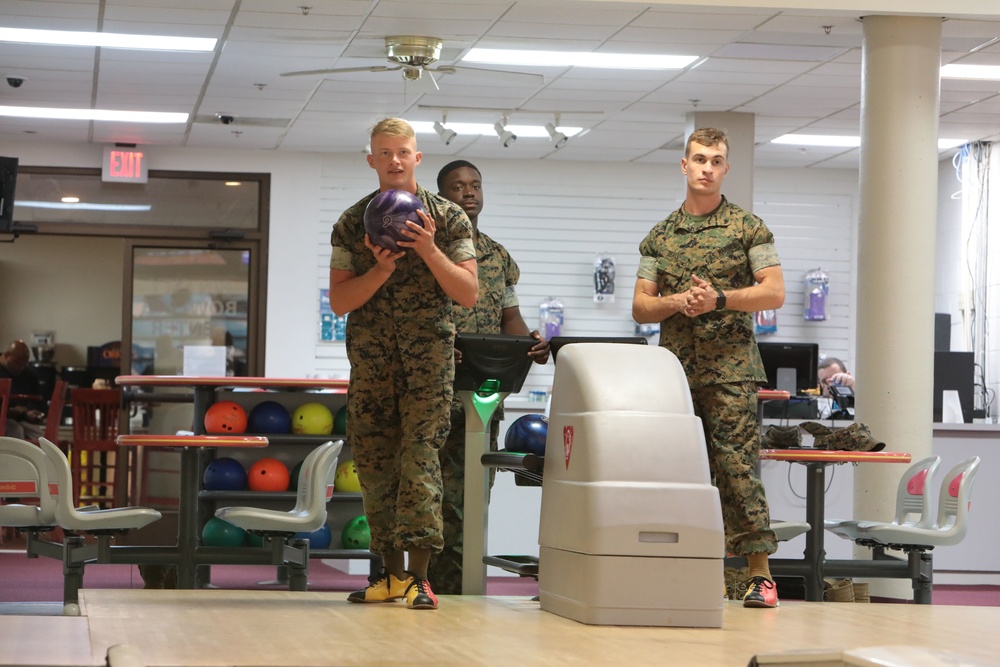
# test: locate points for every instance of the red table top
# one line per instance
(833, 456)
(192, 441)
(206, 381)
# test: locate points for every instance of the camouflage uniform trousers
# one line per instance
(732, 434)
(397, 421)
(445, 570)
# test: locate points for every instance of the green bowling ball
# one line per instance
(356, 534)
(340, 421)
(219, 533)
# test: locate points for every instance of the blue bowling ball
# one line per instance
(225, 474)
(527, 435)
(319, 538)
(269, 417)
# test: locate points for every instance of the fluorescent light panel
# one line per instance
(486, 129)
(109, 40)
(577, 59)
(94, 114)
(987, 72)
(836, 141)
(79, 206)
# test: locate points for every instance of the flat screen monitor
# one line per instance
(557, 342)
(955, 371)
(790, 367)
(501, 357)
(8, 183)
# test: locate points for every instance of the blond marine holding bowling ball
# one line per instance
(400, 343)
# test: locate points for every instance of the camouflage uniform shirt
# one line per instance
(411, 293)
(498, 273)
(725, 247)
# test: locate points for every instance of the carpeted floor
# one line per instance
(24, 579)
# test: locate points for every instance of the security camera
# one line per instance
(15, 81)
(226, 119)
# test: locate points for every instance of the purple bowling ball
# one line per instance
(386, 216)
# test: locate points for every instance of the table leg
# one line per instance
(815, 553)
(187, 519)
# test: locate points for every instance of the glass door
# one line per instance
(192, 310)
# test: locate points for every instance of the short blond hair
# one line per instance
(707, 136)
(393, 127)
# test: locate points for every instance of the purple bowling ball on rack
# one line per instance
(386, 216)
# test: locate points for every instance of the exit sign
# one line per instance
(124, 165)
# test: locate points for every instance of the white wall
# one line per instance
(555, 218)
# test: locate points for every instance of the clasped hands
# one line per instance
(699, 298)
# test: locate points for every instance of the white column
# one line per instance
(739, 128)
(900, 95)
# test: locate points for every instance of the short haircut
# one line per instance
(830, 361)
(452, 166)
(707, 136)
(393, 127)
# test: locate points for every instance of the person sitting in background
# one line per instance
(833, 372)
(26, 415)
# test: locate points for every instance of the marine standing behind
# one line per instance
(496, 311)
(704, 271)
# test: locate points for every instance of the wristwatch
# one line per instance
(720, 300)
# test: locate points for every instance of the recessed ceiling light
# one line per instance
(70, 206)
(94, 114)
(487, 130)
(988, 72)
(109, 40)
(839, 141)
(577, 59)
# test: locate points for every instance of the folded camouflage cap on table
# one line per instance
(855, 438)
(781, 437)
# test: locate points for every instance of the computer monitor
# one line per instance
(955, 371)
(501, 357)
(557, 342)
(790, 367)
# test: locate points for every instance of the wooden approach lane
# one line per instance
(193, 628)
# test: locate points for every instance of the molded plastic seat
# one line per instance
(315, 488)
(788, 530)
(952, 516)
(913, 502)
(117, 519)
(24, 475)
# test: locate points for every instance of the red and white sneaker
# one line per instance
(761, 592)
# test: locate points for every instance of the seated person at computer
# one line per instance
(833, 372)
(26, 414)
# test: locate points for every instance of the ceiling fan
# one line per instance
(411, 55)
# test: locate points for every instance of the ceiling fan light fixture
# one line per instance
(557, 137)
(447, 136)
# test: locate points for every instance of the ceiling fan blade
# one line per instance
(527, 78)
(342, 70)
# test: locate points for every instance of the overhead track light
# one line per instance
(447, 136)
(507, 138)
(557, 137)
